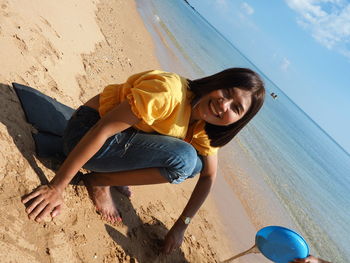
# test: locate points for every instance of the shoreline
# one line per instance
(72, 62)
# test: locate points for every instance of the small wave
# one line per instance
(156, 19)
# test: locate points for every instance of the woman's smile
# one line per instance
(222, 107)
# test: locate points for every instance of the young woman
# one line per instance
(157, 127)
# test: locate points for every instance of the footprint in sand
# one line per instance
(21, 44)
(50, 26)
(14, 239)
(4, 10)
(58, 246)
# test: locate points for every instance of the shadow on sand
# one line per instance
(13, 118)
(144, 238)
(145, 235)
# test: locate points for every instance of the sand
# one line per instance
(69, 50)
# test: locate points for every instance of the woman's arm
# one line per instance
(205, 182)
(46, 198)
(117, 120)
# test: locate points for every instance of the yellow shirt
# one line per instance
(163, 103)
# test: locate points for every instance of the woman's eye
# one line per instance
(236, 109)
(227, 94)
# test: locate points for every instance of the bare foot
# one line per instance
(102, 199)
(124, 190)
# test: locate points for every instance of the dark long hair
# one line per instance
(241, 78)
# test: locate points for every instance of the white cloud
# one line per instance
(285, 64)
(247, 8)
(222, 3)
(235, 14)
(328, 21)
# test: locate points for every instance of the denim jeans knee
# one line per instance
(176, 159)
(183, 162)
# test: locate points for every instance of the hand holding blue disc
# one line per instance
(279, 244)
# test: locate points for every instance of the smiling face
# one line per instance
(222, 107)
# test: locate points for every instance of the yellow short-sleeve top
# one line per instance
(162, 101)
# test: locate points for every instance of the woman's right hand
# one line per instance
(174, 237)
(44, 200)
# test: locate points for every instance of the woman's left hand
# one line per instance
(173, 239)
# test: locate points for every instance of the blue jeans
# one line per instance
(133, 149)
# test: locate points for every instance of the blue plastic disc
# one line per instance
(280, 244)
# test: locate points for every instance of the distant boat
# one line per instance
(273, 95)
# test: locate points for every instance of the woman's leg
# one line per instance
(98, 186)
(134, 150)
(124, 178)
(147, 159)
(130, 158)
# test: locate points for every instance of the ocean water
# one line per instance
(304, 168)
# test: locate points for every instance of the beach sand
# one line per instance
(69, 50)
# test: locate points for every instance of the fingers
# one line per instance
(34, 204)
(37, 210)
(169, 247)
(309, 259)
(166, 249)
(32, 195)
(56, 211)
(173, 240)
(44, 212)
(44, 209)
(166, 246)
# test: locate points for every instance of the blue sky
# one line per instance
(301, 45)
